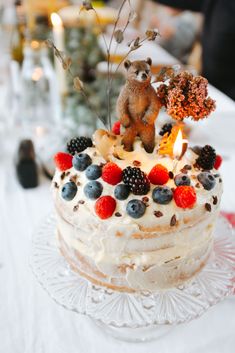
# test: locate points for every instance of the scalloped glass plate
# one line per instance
(119, 312)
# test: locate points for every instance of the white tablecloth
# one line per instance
(30, 322)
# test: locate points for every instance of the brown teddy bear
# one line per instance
(138, 105)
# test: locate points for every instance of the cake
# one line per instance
(134, 221)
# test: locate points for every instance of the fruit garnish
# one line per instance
(112, 173)
(135, 208)
(137, 180)
(182, 179)
(78, 144)
(121, 191)
(105, 206)
(162, 195)
(63, 161)
(81, 161)
(93, 172)
(185, 196)
(166, 128)
(158, 175)
(206, 159)
(218, 161)
(69, 191)
(116, 128)
(207, 180)
(93, 189)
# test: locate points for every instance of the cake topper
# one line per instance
(138, 105)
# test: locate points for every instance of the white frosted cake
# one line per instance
(135, 221)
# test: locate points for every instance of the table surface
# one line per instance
(31, 322)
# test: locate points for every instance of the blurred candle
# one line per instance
(58, 38)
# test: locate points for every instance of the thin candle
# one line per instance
(58, 37)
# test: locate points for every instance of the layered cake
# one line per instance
(135, 220)
(136, 206)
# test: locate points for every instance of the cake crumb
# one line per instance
(56, 185)
(198, 185)
(118, 214)
(171, 174)
(137, 163)
(75, 208)
(173, 220)
(215, 200)
(81, 202)
(62, 176)
(158, 214)
(208, 207)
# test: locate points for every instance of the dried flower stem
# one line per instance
(66, 62)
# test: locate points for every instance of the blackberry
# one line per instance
(137, 180)
(206, 159)
(166, 128)
(78, 144)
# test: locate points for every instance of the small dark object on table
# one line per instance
(26, 167)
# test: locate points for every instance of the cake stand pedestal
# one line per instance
(136, 316)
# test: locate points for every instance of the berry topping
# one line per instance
(81, 161)
(182, 179)
(93, 190)
(207, 180)
(162, 195)
(105, 206)
(112, 173)
(158, 175)
(218, 162)
(69, 191)
(63, 161)
(166, 128)
(121, 191)
(116, 127)
(206, 159)
(185, 196)
(135, 208)
(196, 149)
(137, 180)
(93, 172)
(78, 144)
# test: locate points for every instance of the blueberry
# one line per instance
(81, 161)
(207, 180)
(69, 191)
(93, 190)
(121, 192)
(93, 172)
(162, 195)
(182, 179)
(135, 208)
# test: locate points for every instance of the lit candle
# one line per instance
(58, 37)
(179, 148)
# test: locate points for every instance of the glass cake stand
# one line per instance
(139, 316)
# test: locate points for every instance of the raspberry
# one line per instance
(158, 175)
(112, 173)
(116, 127)
(185, 196)
(218, 161)
(105, 206)
(63, 161)
(137, 180)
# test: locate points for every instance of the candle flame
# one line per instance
(56, 20)
(180, 145)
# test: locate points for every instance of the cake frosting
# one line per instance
(161, 249)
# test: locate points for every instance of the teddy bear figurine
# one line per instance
(138, 105)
